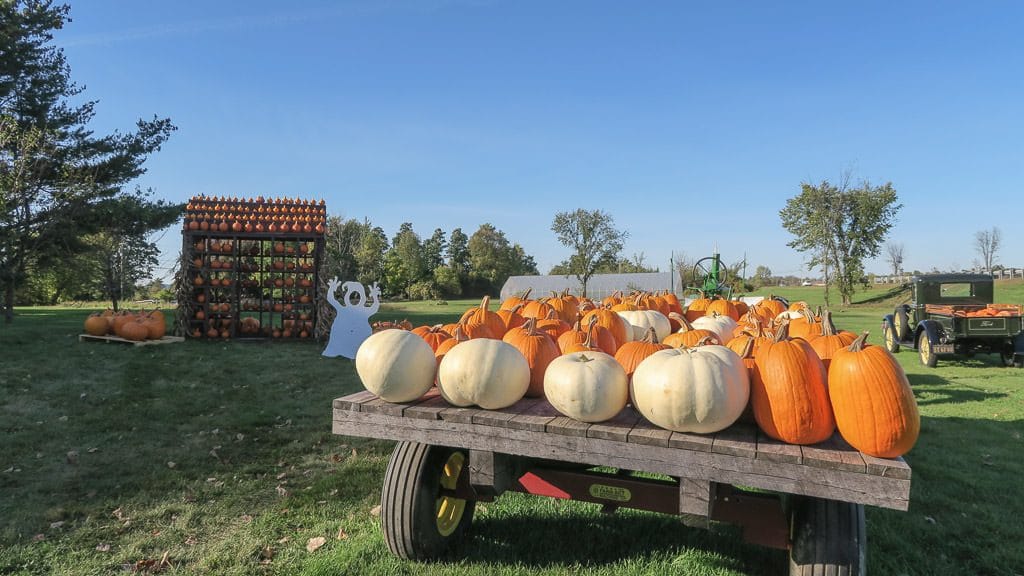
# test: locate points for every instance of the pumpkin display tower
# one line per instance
(250, 267)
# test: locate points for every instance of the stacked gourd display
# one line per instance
(134, 326)
(259, 215)
(693, 370)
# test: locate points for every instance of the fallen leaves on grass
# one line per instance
(172, 465)
(72, 457)
(266, 555)
(342, 535)
(191, 541)
(149, 565)
(314, 544)
(375, 511)
(103, 547)
(39, 537)
(281, 490)
(56, 525)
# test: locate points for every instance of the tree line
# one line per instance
(407, 265)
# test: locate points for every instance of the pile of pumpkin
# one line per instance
(135, 326)
(693, 370)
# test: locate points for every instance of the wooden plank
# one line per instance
(378, 406)
(566, 426)
(834, 454)
(500, 418)
(648, 434)
(459, 414)
(119, 340)
(738, 440)
(534, 418)
(775, 450)
(689, 441)
(429, 407)
(890, 468)
(352, 401)
(616, 428)
(842, 485)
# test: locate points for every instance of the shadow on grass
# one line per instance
(889, 296)
(932, 389)
(576, 538)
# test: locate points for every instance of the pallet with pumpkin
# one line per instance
(250, 267)
(719, 396)
(140, 328)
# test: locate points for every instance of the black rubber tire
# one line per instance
(829, 538)
(928, 358)
(889, 337)
(902, 324)
(408, 499)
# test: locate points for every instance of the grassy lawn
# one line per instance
(220, 456)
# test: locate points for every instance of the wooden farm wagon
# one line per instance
(808, 500)
(251, 268)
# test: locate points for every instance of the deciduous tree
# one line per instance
(593, 238)
(840, 226)
(987, 243)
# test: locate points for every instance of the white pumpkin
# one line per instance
(702, 389)
(586, 386)
(484, 372)
(643, 320)
(720, 324)
(396, 365)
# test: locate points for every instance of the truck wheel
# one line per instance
(829, 538)
(924, 348)
(419, 523)
(1012, 359)
(889, 336)
(902, 324)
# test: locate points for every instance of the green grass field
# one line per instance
(219, 457)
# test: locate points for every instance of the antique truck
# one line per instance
(954, 314)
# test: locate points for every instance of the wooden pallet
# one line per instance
(119, 340)
(740, 455)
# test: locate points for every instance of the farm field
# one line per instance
(217, 458)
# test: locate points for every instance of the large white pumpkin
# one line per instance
(720, 324)
(702, 389)
(484, 372)
(586, 386)
(396, 365)
(643, 320)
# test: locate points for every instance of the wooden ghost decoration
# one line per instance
(352, 323)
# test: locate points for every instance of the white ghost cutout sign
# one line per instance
(352, 323)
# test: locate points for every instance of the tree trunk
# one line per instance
(9, 302)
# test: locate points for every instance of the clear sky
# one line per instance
(691, 123)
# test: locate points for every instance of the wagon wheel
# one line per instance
(418, 522)
(924, 348)
(889, 336)
(829, 538)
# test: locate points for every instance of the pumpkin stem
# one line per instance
(526, 294)
(782, 332)
(748, 349)
(858, 344)
(651, 337)
(828, 328)
(485, 303)
(685, 325)
(460, 335)
(704, 341)
(530, 326)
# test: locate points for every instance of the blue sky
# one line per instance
(691, 123)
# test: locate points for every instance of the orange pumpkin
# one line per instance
(874, 406)
(458, 336)
(688, 336)
(722, 307)
(481, 315)
(432, 335)
(512, 302)
(610, 320)
(538, 348)
(631, 354)
(830, 340)
(96, 324)
(790, 398)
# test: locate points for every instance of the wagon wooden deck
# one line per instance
(739, 455)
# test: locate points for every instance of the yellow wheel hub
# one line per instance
(449, 509)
